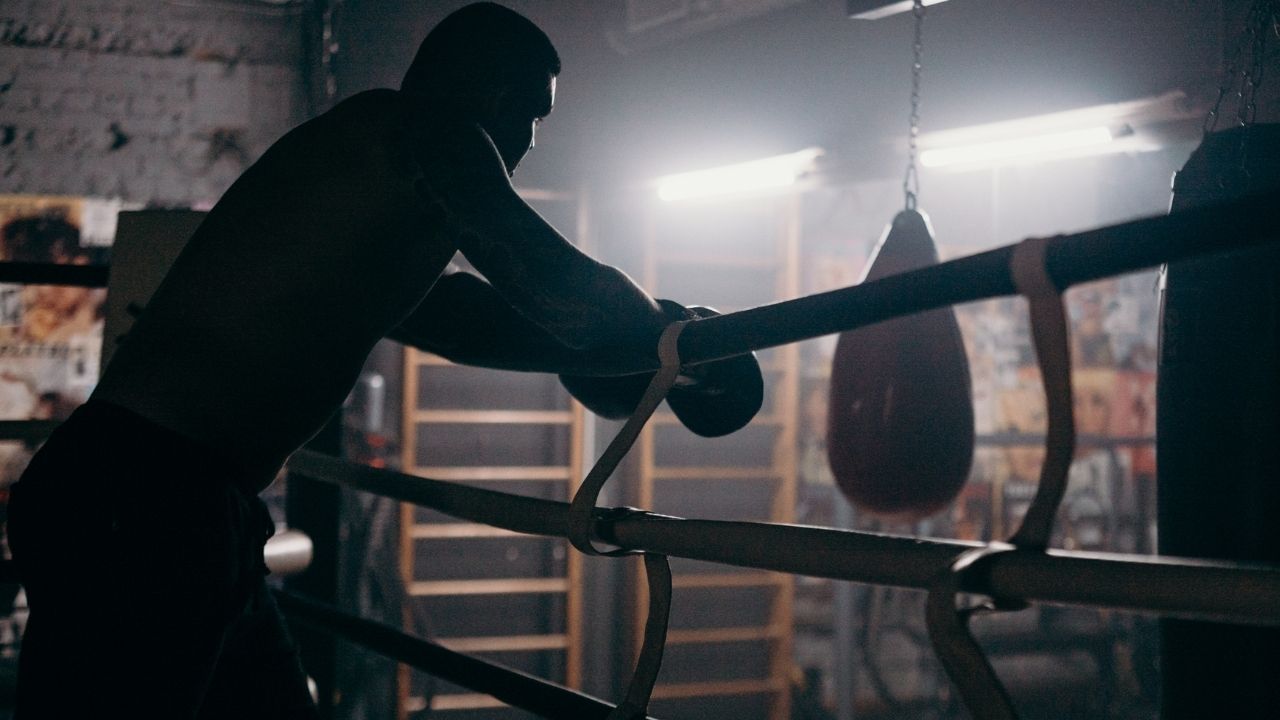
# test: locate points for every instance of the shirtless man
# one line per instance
(137, 528)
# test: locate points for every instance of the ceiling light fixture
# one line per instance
(1025, 149)
(876, 9)
(754, 176)
(1135, 126)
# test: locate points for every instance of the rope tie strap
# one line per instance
(582, 510)
(961, 656)
(583, 514)
(635, 705)
(1049, 331)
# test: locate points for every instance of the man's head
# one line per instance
(492, 66)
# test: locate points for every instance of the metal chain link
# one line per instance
(1260, 17)
(329, 49)
(911, 182)
(1260, 21)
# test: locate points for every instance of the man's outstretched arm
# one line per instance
(466, 320)
(585, 304)
(550, 307)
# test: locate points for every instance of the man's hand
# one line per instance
(717, 398)
(711, 399)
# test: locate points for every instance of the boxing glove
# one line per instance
(711, 399)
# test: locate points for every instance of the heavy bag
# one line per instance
(1218, 422)
(900, 420)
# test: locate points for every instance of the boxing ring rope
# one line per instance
(516, 688)
(1190, 588)
(1069, 260)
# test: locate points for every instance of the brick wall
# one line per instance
(159, 102)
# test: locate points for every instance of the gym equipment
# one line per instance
(1218, 418)
(900, 424)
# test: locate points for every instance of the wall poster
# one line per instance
(50, 336)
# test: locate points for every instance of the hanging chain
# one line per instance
(911, 182)
(1260, 22)
(329, 49)
(1244, 76)
(1260, 17)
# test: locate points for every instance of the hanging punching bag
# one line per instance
(900, 421)
(1218, 422)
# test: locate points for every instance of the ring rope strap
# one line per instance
(635, 705)
(583, 513)
(582, 510)
(961, 656)
(959, 653)
(1049, 332)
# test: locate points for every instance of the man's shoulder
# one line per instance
(380, 103)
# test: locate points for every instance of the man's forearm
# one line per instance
(464, 319)
(584, 303)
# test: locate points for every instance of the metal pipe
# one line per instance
(90, 276)
(28, 430)
(288, 552)
(1242, 593)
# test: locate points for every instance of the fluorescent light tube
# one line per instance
(757, 175)
(1025, 149)
(1125, 127)
(876, 9)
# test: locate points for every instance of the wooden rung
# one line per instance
(724, 635)
(431, 531)
(494, 417)
(426, 358)
(496, 473)
(713, 472)
(735, 579)
(497, 586)
(719, 687)
(457, 701)
(506, 643)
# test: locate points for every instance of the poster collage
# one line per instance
(50, 336)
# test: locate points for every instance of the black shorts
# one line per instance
(141, 555)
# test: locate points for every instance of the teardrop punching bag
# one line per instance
(1218, 430)
(900, 420)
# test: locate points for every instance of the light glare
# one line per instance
(756, 175)
(886, 9)
(1037, 147)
